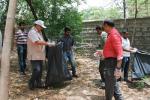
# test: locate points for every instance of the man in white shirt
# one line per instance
(36, 53)
(126, 54)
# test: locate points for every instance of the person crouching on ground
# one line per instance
(36, 53)
(113, 54)
(68, 43)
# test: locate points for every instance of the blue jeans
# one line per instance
(125, 67)
(68, 58)
(22, 54)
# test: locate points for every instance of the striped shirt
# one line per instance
(21, 37)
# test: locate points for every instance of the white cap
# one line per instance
(40, 22)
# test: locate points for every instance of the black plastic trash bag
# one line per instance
(141, 64)
(55, 71)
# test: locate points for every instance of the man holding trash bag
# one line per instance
(36, 53)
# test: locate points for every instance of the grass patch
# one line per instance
(140, 84)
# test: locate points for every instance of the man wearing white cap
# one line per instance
(36, 53)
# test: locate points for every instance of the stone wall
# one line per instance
(141, 39)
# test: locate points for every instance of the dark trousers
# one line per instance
(22, 54)
(101, 69)
(111, 84)
(125, 67)
(36, 71)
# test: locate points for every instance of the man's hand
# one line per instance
(99, 52)
(134, 50)
(117, 73)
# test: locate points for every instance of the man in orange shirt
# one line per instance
(113, 54)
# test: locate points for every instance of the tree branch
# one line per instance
(29, 2)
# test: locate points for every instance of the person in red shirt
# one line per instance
(113, 54)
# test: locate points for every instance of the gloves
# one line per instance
(51, 44)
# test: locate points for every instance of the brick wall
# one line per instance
(142, 33)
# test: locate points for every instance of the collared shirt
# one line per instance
(68, 42)
(21, 37)
(35, 52)
(113, 45)
(126, 45)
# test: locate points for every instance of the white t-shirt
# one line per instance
(103, 39)
(35, 52)
(126, 45)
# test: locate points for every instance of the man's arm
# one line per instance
(15, 40)
(125, 49)
(34, 38)
(117, 45)
(44, 43)
(119, 63)
(41, 43)
(128, 50)
(117, 72)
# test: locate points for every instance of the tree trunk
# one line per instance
(124, 9)
(35, 16)
(5, 62)
(136, 12)
(3, 19)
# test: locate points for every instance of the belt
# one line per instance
(110, 58)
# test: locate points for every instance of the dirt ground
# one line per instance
(86, 87)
